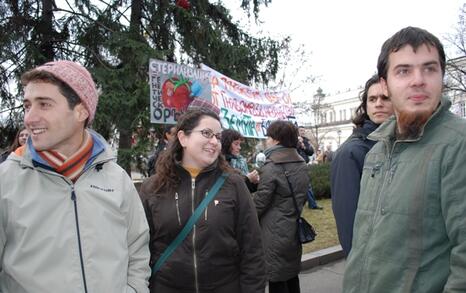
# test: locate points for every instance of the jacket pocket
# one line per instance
(371, 182)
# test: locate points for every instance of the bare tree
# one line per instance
(294, 69)
(456, 66)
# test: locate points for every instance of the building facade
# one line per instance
(328, 117)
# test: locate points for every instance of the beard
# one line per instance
(410, 124)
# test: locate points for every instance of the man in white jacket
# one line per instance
(70, 217)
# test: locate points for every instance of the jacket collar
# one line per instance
(101, 152)
(367, 128)
(386, 131)
(284, 155)
(208, 169)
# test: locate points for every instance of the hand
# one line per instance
(301, 142)
(253, 176)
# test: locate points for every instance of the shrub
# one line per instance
(320, 180)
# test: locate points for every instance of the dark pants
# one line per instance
(232, 287)
(290, 286)
(311, 200)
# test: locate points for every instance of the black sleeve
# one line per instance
(252, 263)
(307, 147)
(150, 219)
(252, 187)
(346, 170)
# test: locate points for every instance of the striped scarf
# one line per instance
(72, 166)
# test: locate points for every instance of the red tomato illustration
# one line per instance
(183, 4)
(176, 93)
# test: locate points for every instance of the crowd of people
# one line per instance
(71, 219)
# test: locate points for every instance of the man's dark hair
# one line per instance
(413, 36)
(228, 137)
(167, 129)
(361, 112)
(285, 132)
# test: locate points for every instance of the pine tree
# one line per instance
(115, 39)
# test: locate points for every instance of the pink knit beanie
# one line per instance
(79, 79)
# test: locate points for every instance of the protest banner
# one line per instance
(245, 109)
(172, 87)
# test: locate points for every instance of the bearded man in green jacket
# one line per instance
(410, 226)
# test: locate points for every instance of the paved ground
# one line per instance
(323, 279)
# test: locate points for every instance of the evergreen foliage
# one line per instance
(320, 180)
(115, 39)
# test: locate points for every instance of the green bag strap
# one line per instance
(190, 224)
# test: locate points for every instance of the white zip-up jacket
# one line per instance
(55, 236)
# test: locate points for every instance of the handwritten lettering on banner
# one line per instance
(173, 87)
(247, 110)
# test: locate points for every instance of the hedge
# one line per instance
(320, 180)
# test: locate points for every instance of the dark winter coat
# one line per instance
(223, 252)
(277, 214)
(346, 173)
(152, 163)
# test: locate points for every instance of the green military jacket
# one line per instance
(410, 226)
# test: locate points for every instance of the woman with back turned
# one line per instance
(275, 207)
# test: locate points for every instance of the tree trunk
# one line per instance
(124, 150)
(46, 32)
(124, 145)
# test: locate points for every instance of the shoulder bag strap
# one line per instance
(291, 189)
(190, 224)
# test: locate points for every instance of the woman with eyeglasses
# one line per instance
(223, 250)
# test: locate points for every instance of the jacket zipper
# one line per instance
(379, 199)
(73, 198)
(177, 208)
(196, 282)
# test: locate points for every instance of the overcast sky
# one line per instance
(345, 36)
